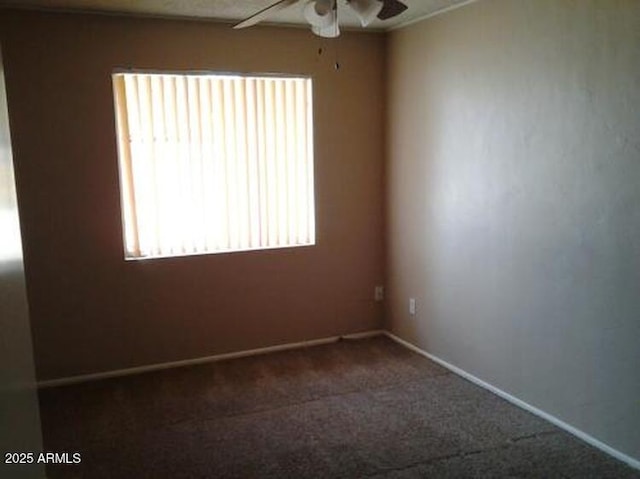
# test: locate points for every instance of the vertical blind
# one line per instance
(214, 163)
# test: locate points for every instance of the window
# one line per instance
(214, 163)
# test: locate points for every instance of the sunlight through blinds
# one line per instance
(214, 163)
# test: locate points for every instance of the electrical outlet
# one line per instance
(379, 293)
(412, 306)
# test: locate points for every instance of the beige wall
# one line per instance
(513, 173)
(91, 310)
(19, 413)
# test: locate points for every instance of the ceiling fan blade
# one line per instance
(391, 8)
(264, 13)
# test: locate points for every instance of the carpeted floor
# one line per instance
(352, 409)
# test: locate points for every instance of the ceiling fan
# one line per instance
(322, 15)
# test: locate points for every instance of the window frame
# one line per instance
(199, 73)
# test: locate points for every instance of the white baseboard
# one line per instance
(518, 402)
(366, 334)
(207, 359)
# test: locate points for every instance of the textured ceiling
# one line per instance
(229, 10)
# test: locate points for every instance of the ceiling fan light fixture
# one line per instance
(366, 10)
(331, 31)
(320, 13)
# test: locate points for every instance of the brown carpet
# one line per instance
(351, 409)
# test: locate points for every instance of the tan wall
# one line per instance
(91, 310)
(514, 165)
